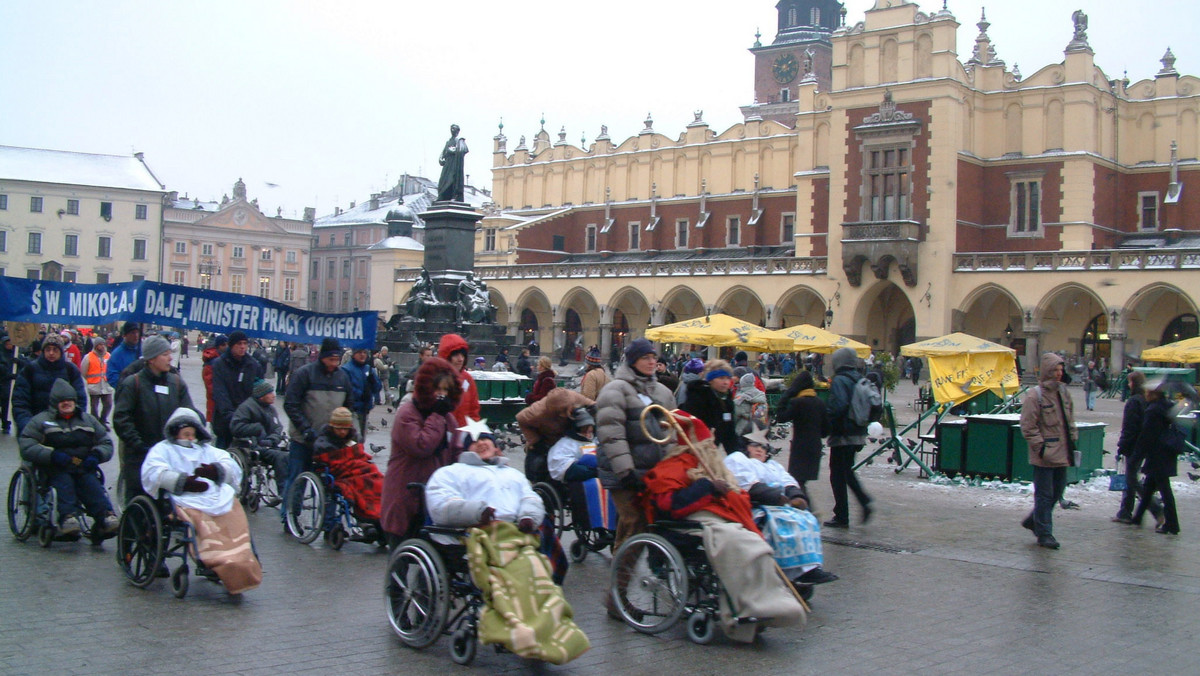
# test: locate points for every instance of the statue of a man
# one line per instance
(422, 296)
(473, 300)
(452, 180)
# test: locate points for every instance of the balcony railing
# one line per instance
(814, 265)
(883, 230)
(1106, 259)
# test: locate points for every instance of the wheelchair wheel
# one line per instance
(179, 581)
(239, 456)
(140, 541)
(649, 583)
(554, 506)
(416, 593)
(336, 538)
(306, 507)
(22, 504)
(579, 550)
(463, 645)
(46, 535)
(701, 628)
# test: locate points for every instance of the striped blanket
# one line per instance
(524, 610)
(223, 544)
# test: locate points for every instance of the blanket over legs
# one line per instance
(357, 477)
(223, 544)
(524, 610)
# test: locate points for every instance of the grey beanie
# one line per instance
(154, 346)
(843, 357)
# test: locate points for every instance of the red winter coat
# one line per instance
(419, 447)
(468, 405)
(541, 386)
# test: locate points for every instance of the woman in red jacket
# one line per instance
(454, 348)
(543, 383)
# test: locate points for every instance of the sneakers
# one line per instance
(69, 527)
(836, 523)
(816, 576)
(1048, 542)
(109, 524)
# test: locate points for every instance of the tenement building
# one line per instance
(920, 192)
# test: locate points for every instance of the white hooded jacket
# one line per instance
(168, 465)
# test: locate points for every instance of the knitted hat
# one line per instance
(238, 337)
(637, 349)
(261, 389)
(52, 340)
(740, 357)
(219, 340)
(341, 417)
(330, 347)
(581, 418)
(154, 346)
(593, 359)
(129, 326)
(694, 365)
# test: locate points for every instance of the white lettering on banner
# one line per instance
(94, 304)
(166, 306)
(346, 328)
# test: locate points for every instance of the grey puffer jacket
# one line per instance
(623, 446)
(78, 436)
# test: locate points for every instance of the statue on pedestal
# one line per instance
(474, 304)
(453, 160)
(421, 297)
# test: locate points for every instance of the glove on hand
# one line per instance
(798, 503)
(527, 525)
(60, 458)
(488, 516)
(310, 435)
(194, 485)
(443, 405)
(720, 487)
(209, 471)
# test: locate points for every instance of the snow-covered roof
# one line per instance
(196, 205)
(70, 168)
(398, 242)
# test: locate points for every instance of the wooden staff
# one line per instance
(673, 424)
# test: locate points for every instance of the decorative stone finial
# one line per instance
(983, 23)
(1168, 62)
(1079, 41)
(603, 133)
(649, 125)
(521, 144)
(562, 136)
(543, 121)
(698, 120)
(1016, 71)
(757, 37)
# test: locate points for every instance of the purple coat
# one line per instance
(419, 447)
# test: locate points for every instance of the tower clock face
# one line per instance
(785, 68)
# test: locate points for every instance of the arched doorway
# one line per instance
(573, 341)
(535, 327)
(1181, 328)
(884, 319)
(1094, 345)
(620, 333)
(528, 327)
(800, 305)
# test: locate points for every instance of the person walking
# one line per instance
(297, 359)
(1127, 448)
(846, 438)
(282, 363)
(126, 353)
(95, 380)
(142, 404)
(312, 394)
(383, 368)
(364, 386)
(1048, 425)
(1090, 386)
(233, 374)
(220, 343)
(1160, 458)
(810, 424)
(8, 366)
(31, 391)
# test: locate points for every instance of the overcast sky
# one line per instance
(321, 103)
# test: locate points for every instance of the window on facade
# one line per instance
(361, 268)
(681, 233)
(793, 17)
(332, 239)
(3, 202)
(102, 278)
(316, 268)
(106, 210)
(139, 249)
(290, 257)
(35, 205)
(346, 269)
(71, 245)
(33, 273)
(264, 287)
(137, 278)
(180, 277)
(266, 254)
(3, 241)
(590, 237)
(1025, 207)
(72, 207)
(1148, 210)
(733, 229)
(289, 289)
(785, 95)
(237, 283)
(787, 230)
(69, 276)
(332, 271)
(635, 235)
(180, 247)
(558, 243)
(104, 247)
(887, 178)
(206, 249)
(205, 281)
(313, 298)
(140, 211)
(35, 243)
(346, 240)
(329, 301)
(239, 252)
(489, 239)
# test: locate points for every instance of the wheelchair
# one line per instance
(148, 535)
(661, 576)
(428, 592)
(314, 506)
(258, 473)
(33, 508)
(566, 503)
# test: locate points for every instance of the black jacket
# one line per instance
(140, 412)
(714, 410)
(1159, 462)
(1131, 425)
(233, 381)
(31, 391)
(255, 420)
(810, 424)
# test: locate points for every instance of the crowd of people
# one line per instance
(715, 469)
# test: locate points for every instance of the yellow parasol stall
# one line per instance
(809, 338)
(961, 366)
(719, 330)
(1183, 351)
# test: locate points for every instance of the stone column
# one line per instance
(1033, 357)
(557, 339)
(1117, 347)
(605, 340)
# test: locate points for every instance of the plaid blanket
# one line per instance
(524, 610)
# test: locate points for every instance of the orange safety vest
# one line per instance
(95, 368)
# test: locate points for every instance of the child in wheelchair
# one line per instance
(355, 474)
(780, 511)
(68, 445)
(572, 459)
(692, 482)
(201, 482)
(524, 611)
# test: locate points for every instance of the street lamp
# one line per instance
(207, 268)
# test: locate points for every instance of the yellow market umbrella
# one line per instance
(960, 366)
(809, 338)
(720, 330)
(1184, 351)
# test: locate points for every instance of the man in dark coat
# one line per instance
(31, 393)
(8, 357)
(312, 394)
(846, 438)
(257, 420)
(144, 401)
(234, 374)
(1127, 447)
(810, 424)
(709, 399)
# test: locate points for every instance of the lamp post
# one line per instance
(207, 268)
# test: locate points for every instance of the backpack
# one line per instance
(866, 403)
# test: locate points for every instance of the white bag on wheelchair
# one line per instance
(794, 536)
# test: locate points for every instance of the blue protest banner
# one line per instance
(32, 300)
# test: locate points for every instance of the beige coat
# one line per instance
(593, 381)
(1047, 417)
